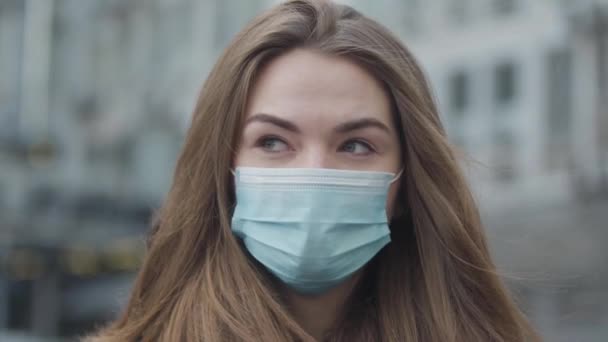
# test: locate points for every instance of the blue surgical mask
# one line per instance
(311, 228)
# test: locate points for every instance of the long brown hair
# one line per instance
(434, 282)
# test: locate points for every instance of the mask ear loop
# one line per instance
(396, 177)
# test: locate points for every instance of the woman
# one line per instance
(317, 198)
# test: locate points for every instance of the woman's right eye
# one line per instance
(272, 144)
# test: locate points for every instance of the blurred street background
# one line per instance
(95, 98)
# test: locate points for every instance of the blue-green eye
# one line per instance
(272, 144)
(357, 147)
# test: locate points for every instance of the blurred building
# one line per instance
(517, 85)
(95, 97)
(94, 106)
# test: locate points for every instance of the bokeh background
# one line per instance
(95, 98)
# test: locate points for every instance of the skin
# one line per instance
(310, 110)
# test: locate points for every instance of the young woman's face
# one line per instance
(309, 110)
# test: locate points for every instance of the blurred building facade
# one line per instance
(508, 75)
(96, 96)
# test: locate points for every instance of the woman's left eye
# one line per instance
(357, 147)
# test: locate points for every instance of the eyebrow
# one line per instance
(341, 128)
(360, 124)
(267, 118)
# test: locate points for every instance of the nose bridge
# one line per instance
(315, 156)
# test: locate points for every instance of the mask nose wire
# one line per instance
(391, 182)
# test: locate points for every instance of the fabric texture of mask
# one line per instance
(311, 228)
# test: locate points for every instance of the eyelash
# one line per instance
(262, 141)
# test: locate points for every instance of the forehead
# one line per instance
(304, 85)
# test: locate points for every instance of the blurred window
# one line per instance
(504, 7)
(19, 304)
(458, 11)
(505, 81)
(459, 92)
(559, 83)
(412, 15)
(11, 36)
